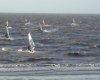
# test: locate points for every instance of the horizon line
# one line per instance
(43, 13)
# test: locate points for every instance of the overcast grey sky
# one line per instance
(50, 6)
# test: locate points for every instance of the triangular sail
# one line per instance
(40, 27)
(74, 20)
(31, 43)
(44, 22)
(27, 21)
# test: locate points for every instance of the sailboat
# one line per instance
(44, 24)
(46, 27)
(31, 46)
(74, 23)
(27, 22)
(7, 33)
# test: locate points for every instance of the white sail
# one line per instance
(74, 23)
(40, 25)
(46, 28)
(44, 22)
(7, 35)
(31, 43)
(74, 20)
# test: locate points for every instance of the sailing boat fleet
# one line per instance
(30, 48)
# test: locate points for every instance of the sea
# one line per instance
(67, 49)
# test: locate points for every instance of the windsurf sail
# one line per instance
(7, 35)
(44, 22)
(74, 23)
(40, 27)
(74, 20)
(27, 21)
(31, 43)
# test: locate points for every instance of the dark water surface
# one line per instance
(69, 44)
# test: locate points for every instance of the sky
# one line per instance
(50, 6)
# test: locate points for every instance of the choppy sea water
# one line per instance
(69, 77)
(68, 50)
